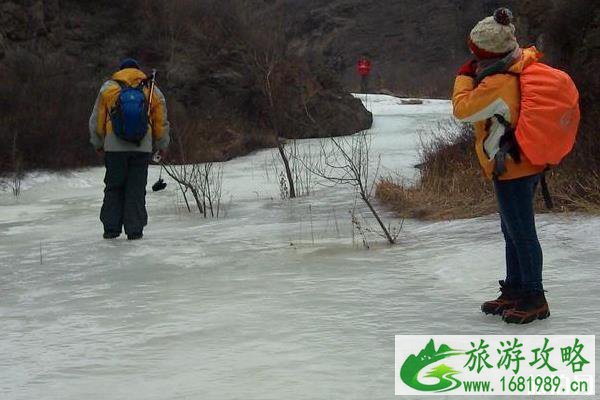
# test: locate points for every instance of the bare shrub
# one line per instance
(211, 184)
(283, 84)
(17, 168)
(284, 192)
(357, 228)
(202, 181)
(301, 176)
(347, 161)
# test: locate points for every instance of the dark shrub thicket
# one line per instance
(210, 57)
(44, 115)
(46, 97)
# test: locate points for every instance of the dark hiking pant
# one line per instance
(517, 216)
(125, 192)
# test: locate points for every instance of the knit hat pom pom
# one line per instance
(503, 16)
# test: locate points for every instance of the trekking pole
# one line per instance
(152, 83)
(160, 184)
(156, 157)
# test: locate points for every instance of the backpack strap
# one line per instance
(500, 161)
(508, 146)
(125, 85)
(485, 74)
(122, 84)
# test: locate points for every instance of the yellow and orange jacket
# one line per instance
(495, 94)
(100, 125)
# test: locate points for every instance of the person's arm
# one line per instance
(97, 122)
(159, 120)
(477, 103)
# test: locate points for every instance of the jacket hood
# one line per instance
(529, 56)
(131, 76)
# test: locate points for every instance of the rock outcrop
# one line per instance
(416, 46)
(69, 47)
(206, 58)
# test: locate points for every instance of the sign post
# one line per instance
(364, 69)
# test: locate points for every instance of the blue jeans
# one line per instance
(517, 216)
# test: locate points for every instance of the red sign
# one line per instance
(364, 67)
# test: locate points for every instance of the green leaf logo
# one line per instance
(409, 372)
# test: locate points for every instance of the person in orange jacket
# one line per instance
(487, 94)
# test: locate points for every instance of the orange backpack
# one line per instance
(549, 116)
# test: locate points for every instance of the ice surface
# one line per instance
(271, 302)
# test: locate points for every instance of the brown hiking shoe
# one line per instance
(508, 299)
(529, 308)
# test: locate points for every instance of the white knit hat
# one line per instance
(494, 35)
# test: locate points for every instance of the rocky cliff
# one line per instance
(417, 45)
(213, 57)
(55, 54)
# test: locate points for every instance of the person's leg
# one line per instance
(509, 287)
(111, 214)
(515, 198)
(135, 216)
(516, 203)
(513, 275)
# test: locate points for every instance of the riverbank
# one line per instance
(451, 185)
(274, 300)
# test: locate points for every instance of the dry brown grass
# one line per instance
(575, 191)
(451, 184)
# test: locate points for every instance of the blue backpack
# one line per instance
(129, 116)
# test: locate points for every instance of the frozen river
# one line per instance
(273, 301)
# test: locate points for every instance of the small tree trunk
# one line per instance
(288, 170)
(198, 202)
(187, 203)
(381, 224)
(208, 192)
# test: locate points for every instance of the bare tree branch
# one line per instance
(347, 161)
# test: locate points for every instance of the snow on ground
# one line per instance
(273, 301)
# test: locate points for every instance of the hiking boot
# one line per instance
(111, 235)
(530, 307)
(508, 299)
(136, 236)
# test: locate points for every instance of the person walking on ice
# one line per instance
(128, 122)
(526, 116)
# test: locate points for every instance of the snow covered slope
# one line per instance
(274, 301)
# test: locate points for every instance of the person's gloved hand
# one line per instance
(160, 156)
(469, 69)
